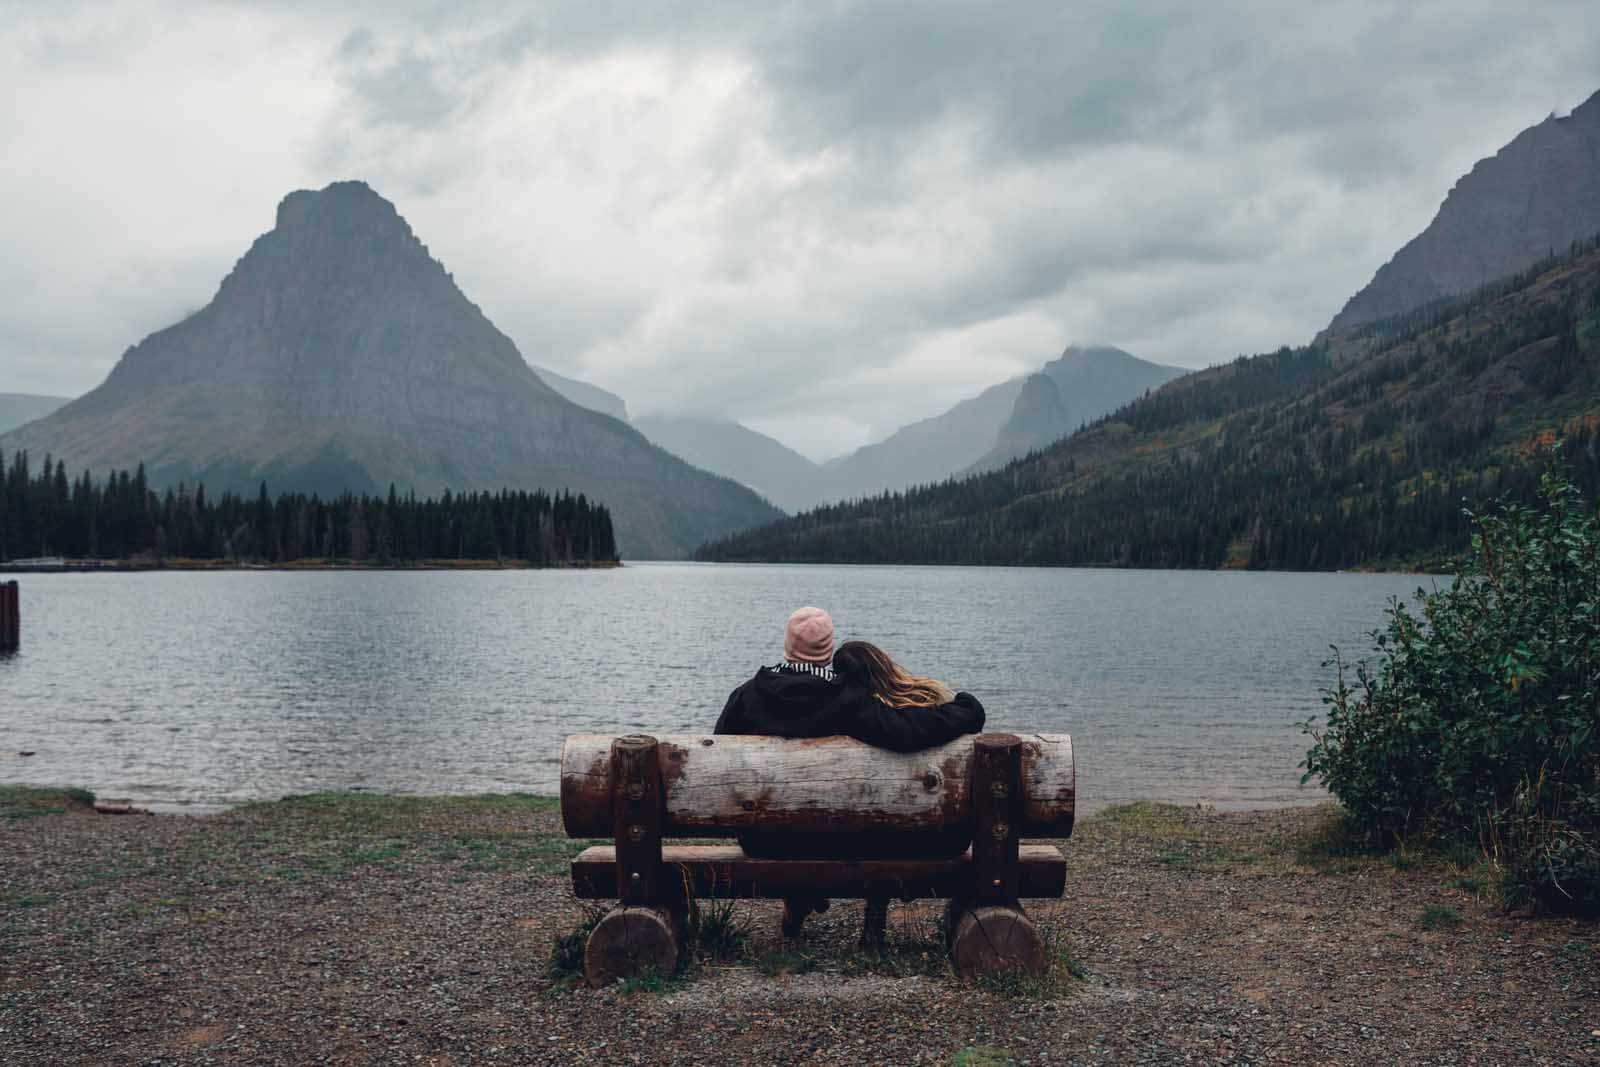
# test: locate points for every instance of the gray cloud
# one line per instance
(900, 202)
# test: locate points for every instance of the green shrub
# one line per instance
(1481, 719)
(716, 928)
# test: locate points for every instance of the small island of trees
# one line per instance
(51, 515)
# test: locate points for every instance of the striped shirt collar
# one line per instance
(821, 670)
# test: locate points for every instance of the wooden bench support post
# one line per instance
(628, 942)
(996, 940)
(639, 933)
(988, 932)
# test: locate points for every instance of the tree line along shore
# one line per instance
(49, 518)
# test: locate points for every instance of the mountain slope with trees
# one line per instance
(1089, 382)
(1357, 450)
(339, 356)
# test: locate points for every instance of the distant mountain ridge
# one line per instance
(17, 409)
(777, 472)
(1532, 198)
(1357, 450)
(338, 354)
(1037, 418)
(928, 450)
(1088, 382)
(978, 433)
(583, 394)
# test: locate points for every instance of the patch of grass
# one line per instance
(380, 853)
(717, 929)
(1575, 950)
(650, 981)
(982, 1056)
(1401, 858)
(1191, 841)
(1439, 917)
(1062, 969)
(326, 835)
(1472, 872)
(566, 954)
(786, 962)
(538, 853)
(33, 900)
(97, 873)
(30, 801)
(1145, 820)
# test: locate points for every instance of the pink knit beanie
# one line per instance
(809, 637)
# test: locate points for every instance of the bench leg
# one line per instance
(874, 923)
(995, 940)
(795, 910)
(628, 942)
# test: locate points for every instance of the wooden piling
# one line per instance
(10, 616)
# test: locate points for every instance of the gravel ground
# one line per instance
(358, 930)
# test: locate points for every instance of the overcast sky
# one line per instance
(824, 219)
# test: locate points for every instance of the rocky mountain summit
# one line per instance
(1077, 387)
(1037, 418)
(339, 355)
(1003, 422)
(1534, 197)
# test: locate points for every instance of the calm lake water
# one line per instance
(187, 691)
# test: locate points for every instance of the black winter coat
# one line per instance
(783, 702)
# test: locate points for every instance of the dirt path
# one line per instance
(365, 930)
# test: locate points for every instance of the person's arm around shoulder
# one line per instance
(913, 729)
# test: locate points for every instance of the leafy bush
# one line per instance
(1481, 719)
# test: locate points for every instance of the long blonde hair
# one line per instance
(868, 665)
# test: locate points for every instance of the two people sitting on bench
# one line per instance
(856, 691)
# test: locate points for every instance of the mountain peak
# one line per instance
(339, 355)
(1533, 197)
(344, 200)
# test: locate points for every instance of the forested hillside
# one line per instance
(1357, 450)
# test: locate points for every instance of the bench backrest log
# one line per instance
(727, 785)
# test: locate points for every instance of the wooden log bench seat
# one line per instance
(825, 817)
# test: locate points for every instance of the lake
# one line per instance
(191, 691)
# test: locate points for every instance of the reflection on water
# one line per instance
(197, 690)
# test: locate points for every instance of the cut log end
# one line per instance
(629, 942)
(994, 941)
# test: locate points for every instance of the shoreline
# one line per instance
(346, 928)
(90, 566)
(202, 810)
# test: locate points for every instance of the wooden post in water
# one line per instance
(10, 617)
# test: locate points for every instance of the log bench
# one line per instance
(945, 823)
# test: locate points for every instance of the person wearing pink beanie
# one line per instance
(802, 697)
(808, 637)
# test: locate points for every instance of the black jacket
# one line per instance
(783, 702)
